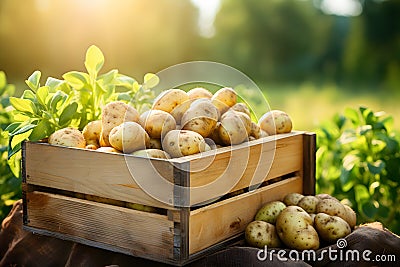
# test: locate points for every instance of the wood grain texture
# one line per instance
(140, 233)
(100, 174)
(216, 222)
(309, 154)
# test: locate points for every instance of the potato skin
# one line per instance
(255, 130)
(157, 123)
(234, 128)
(294, 227)
(179, 143)
(270, 211)
(224, 98)
(275, 122)
(129, 137)
(331, 207)
(260, 234)
(92, 132)
(179, 110)
(351, 216)
(115, 113)
(292, 199)
(201, 117)
(170, 99)
(309, 204)
(241, 107)
(331, 228)
(69, 137)
(154, 143)
(199, 92)
(108, 149)
(151, 153)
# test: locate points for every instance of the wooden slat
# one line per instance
(309, 154)
(141, 233)
(216, 222)
(100, 174)
(240, 168)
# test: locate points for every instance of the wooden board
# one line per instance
(214, 223)
(139, 233)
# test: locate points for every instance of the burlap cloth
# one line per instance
(22, 248)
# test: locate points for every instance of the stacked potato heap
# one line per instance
(179, 124)
(300, 222)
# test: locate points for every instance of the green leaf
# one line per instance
(124, 81)
(108, 77)
(23, 129)
(68, 114)
(3, 81)
(42, 94)
(376, 167)
(24, 105)
(94, 60)
(53, 83)
(14, 162)
(56, 98)
(151, 80)
(370, 208)
(364, 129)
(352, 114)
(361, 193)
(28, 94)
(42, 130)
(77, 79)
(33, 80)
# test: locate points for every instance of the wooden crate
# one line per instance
(203, 202)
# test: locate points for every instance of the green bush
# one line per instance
(10, 186)
(358, 160)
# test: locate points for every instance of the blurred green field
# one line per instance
(311, 106)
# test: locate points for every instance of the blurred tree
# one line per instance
(271, 40)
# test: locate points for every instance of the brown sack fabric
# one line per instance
(22, 248)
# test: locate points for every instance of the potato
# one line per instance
(199, 92)
(255, 130)
(151, 153)
(331, 228)
(241, 107)
(201, 117)
(157, 123)
(178, 112)
(214, 136)
(292, 199)
(70, 137)
(294, 227)
(270, 211)
(108, 149)
(325, 196)
(331, 207)
(234, 128)
(309, 203)
(91, 147)
(115, 113)
(179, 143)
(245, 119)
(260, 234)
(91, 133)
(154, 143)
(351, 216)
(129, 137)
(170, 99)
(224, 98)
(275, 122)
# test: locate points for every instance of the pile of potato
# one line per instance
(300, 222)
(178, 124)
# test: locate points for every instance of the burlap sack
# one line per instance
(22, 248)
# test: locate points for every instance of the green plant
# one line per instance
(71, 102)
(358, 159)
(10, 186)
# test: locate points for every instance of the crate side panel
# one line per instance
(219, 221)
(140, 233)
(241, 168)
(95, 173)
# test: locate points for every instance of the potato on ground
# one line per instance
(270, 211)
(92, 132)
(129, 137)
(275, 122)
(179, 143)
(201, 117)
(331, 228)
(157, 123)
(294, 228)
(170, 99)
(309, 204)
(235, 127)
(292, 199)
(260, 234)
(224, 98)
(70, 137)
(199, 92)
(113, 114)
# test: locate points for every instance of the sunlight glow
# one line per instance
(345, 8)
(208, 9)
